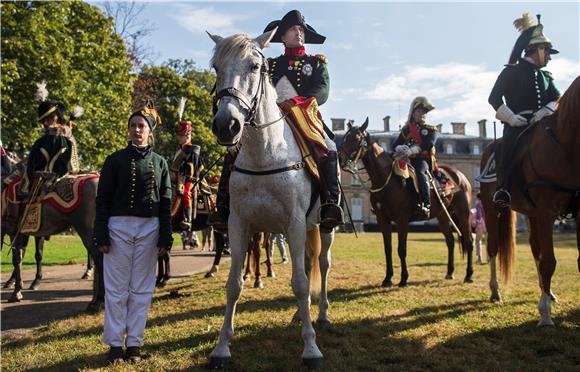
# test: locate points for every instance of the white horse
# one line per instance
(270, 189)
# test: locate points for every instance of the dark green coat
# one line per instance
(44, 150)
(134, 184)
(524, 87)
(307, 73)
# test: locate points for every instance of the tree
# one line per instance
(72, 46)
(166, 84)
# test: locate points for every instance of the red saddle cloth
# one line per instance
(66, 195)
(307, 126)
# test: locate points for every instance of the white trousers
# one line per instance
(129, 274)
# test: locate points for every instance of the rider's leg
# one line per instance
(421, 168)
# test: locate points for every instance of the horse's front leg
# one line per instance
(90, 266)
(268, 247)
(325, 262)
(239, 240)
(386, 230)
(39, 252)
(403, 229)
(256, 245)
(17, 256)
(311, 355)
(543, 250)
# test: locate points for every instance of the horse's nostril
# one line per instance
(235, 126)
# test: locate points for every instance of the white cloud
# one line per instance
(200, 19)
(459, 91)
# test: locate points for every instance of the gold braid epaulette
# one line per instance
(322, 58)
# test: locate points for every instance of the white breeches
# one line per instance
(129, 274)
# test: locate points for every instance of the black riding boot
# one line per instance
(502, 197)
(186, 222)
(223, 194)
(424, 206)
(330, 212)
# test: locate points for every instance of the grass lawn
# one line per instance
(434, 324)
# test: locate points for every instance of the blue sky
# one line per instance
(382, 54)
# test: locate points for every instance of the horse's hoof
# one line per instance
(15, 297)
(209, 274)
(34, 286)
(313, 363)
(387, 283)
(468, 279)
(259, 285)
(553, 297)
(218, 362)
(271, 275)
(403, 284)
(94, 307)
(495, 298)
(449, 276)
(546, 323)
(324, 323)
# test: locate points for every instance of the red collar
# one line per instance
(294, 51)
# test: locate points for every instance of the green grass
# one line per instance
(434, 324)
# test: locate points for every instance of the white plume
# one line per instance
(77, 112)
(41, 91)
(181, 107)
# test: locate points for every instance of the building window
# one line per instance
(354, 180)
(356, 205)
(476, 149)
(449, 148)
(475, 175)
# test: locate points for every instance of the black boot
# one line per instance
(186, 222)
(330, 212)
(220, 219)
(133, 354)
(502, 198)
(424, 205)
(115, 355)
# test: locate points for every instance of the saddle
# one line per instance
(406, 171)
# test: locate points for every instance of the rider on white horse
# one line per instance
(297, 77)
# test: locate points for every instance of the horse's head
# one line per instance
(242, 73)
(353, 145)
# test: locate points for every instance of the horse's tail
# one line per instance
(313, 248)
(506, 244)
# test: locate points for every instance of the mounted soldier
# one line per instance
(417, 141)
(185, 167)
(522, 95)
(298, 77)
(54, 154)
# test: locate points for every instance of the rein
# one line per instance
(296, 166)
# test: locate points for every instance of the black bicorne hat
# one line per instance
(293, 18)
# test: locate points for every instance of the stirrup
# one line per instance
(502, 198)
(330, 216)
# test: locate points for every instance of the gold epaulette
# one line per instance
(322, 58)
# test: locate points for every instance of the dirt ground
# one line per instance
(64, 294)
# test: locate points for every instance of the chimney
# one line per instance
(386, 123)
(482, 129)
(440, 128)
(337, 124)
(458, 128)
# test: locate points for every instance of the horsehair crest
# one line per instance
(181, 107)
(235, 46)
(524, 23)
(77, 112)
(41, 91)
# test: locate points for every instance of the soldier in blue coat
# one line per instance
(522, 95)
(417, 141)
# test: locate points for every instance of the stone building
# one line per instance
(456, 148)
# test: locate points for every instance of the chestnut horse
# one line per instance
(258, 241)
(392, 201)
(546, 186)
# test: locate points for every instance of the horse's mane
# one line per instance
(235, 46)
(568, 112)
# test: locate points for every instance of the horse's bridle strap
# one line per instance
(296, 166)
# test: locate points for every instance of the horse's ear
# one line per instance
(264, 40)
(365, 125)
(216, 38)
(349, 124)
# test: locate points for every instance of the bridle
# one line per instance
(356, 155)
(250, 106)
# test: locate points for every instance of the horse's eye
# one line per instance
(255, 67)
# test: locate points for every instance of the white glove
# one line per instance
(415, 149)
(543, 112)
(403, 150)
(506, 115)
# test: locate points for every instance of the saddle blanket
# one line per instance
(488, 174)
(307, 126)
(405, 171)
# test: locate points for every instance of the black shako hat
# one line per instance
(293, 18)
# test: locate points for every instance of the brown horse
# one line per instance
(258, 241)
(52, 222)
(546, 186)
(392, 201)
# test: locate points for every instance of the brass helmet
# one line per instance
(532, 35)
(420, 101)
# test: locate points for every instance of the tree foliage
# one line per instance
(73, 47)
(166, 84)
